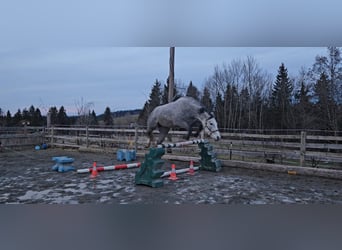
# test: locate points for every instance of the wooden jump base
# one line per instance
(105, 168)
(150, 172)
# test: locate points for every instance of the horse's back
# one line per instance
(170, 113)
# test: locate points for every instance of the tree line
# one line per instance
(244, 96)
(33, 117)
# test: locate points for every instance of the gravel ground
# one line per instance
(27, 178)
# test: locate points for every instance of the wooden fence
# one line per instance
(317, 149)
(303, 148)
(21, 137)
(95, 138)
(316, 153)
(297, 148)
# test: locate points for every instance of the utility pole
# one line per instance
(171, 73)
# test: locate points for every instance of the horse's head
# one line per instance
(211, 128)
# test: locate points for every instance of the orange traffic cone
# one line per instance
(191, 168)
(173, 175)
(94, 171)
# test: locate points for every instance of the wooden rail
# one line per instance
(303, 149)
(20, 137)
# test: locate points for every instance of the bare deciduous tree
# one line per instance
(244, 86)
(83, 112)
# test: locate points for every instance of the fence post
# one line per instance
(230, 150)
(87, 137)
(136, 138)
(302, 148)
(52, 132)
(44, 134)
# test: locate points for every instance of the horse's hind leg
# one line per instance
(169, 137)
(150, 136)
(163, 131)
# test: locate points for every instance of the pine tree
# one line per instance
(93, 118)
(206, 99)
(325, 106)
(62, 117)
(154, 101)
(2, 118)
(17, 118)
(108, 118)
(26, 118)
(53, 115)
(8, 118)
(155, 96)
(37, 119)
(143, 115)
(281, 100)
(303, 107)
(192, 91)
(31, 114)
(165, 93)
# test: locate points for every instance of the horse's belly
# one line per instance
(165, 121)
(170, 121)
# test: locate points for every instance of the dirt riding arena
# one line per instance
(27, 178)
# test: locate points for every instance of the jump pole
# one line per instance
(180, 144)
(105, 168)
(178, 171)
(177, 145)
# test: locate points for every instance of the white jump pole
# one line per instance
(180, 144)
(115, 167)
(178, 171)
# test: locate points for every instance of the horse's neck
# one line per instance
(203, 117)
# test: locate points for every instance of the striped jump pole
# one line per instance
(181, 144)
(178, 171)
(105, 168)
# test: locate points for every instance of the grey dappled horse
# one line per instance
(183, 113)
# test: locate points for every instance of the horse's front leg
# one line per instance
(169, 137)
(202, 134)
(199, 131)
(187, 137)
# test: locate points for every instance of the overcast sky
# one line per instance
(55, 53)
(120, 77)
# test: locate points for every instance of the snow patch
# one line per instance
(35, 195)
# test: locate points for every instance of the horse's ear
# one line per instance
(201, 110)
